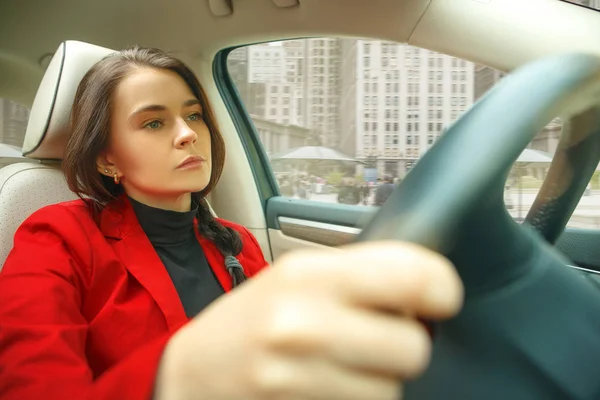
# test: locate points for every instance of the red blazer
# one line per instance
(87, 307)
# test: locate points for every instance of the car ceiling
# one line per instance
(499, 33)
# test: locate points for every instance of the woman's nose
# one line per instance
(185, 134)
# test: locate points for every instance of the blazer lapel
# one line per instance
(119, 222)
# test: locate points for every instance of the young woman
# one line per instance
(119, 295)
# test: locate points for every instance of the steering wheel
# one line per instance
(530, 327)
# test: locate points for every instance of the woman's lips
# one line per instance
(191, 162)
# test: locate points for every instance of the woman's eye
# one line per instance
(154, 125)
(195, 117)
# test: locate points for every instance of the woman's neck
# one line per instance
(172, 203)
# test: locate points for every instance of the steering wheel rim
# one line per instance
(504, 343)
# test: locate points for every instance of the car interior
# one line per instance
(528, 328)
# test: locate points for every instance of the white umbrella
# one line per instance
(313, 153)
(534, 156)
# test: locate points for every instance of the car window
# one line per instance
(13, 123)
(344, 120)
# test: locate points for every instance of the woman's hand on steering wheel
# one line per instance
(324, 324)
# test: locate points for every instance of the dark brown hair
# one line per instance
(90, 128)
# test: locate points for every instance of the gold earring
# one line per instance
(106, 171)
(116, 178)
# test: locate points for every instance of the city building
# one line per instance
(292, 83)
(277, 138)
(397, 100)
(381, 102)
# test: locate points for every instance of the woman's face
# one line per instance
(159, 144)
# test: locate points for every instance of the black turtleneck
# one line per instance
(172, 236)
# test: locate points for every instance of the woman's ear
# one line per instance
(105, 166)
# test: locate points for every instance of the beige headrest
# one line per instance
(47, 134)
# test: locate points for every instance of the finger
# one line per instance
(381, 343)
(357, 338)
(315, 378)
(397, 276)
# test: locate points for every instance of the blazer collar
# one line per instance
(119, 223)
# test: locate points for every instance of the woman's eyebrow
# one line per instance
(191, 102)
(159, 107)
(150, 107)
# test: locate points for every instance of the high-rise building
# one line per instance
(401, 98)
(296, 82)
(322, 89)
(266, 63)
